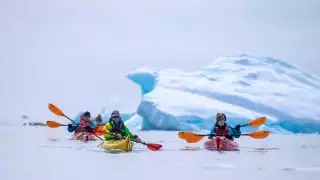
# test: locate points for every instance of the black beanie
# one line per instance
(87, 113)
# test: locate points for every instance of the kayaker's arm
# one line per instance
(108, 128)
(128, 133)
(236, 132)
(211, 133)
(72, 128)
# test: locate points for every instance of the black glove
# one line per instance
(229, 136)
(237, 127)
(211, 136)
(69, 126)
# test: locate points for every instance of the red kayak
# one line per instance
(220, 144)
(84, 136)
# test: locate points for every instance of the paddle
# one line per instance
(57, 111)
(100, 131)
(191, 137)
(53, 124)
(254, 123)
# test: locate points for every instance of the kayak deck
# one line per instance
(123, 145)
(221, 144)
(84, 136)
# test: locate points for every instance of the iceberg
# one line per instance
(242, 86)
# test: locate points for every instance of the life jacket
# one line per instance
(119, 129)
(219, 132)
(81, 126)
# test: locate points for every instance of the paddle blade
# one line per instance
(258, 121)
(154, 147)
(190, 137)
(99, 131)
(259, 134)
(181, 135)
(55, 110)
(53, 124)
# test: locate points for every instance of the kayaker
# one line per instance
(85, 124)
(116, 126)
(98, 120)
(222, 128)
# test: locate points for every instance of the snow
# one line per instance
(37, 153)
(242, 86)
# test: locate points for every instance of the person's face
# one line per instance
(221, 123)
(115, 117)
(86, 118)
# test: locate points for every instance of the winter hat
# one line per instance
(221, 116)
(115, 112)
(87, 114)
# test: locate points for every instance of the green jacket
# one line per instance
(124, 131)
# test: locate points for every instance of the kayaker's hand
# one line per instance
(69, 126)
(118, 136)
(229, 136)
(137, 139)
(237, 127)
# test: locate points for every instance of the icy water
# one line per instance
(40, 153)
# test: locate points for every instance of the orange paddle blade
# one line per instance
(53, 124)
(55, 110)
(154, 147)
(181, 135)
(190, 137)
(258, 121)
(99, 131)
(259, 134)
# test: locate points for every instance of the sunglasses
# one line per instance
(219, 118)
(115, 116)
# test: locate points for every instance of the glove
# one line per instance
(237, 127)
(137, 139)
(69, 126)
(118, 136)
(228, 136)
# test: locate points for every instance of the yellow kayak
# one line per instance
(117, 145)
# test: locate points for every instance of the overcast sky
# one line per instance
(76, 53)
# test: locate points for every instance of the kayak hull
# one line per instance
(84, 136)
(221, 144)
(123, 145)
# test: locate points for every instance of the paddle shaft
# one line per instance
(222, 135)
(69, 118)
(144, 143)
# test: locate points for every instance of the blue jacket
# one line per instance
(232, 132)
(77, 123)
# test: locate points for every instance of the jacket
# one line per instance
(118, 128)
(232, 132)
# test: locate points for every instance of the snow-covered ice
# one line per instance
(37, 153)
(242, 86)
